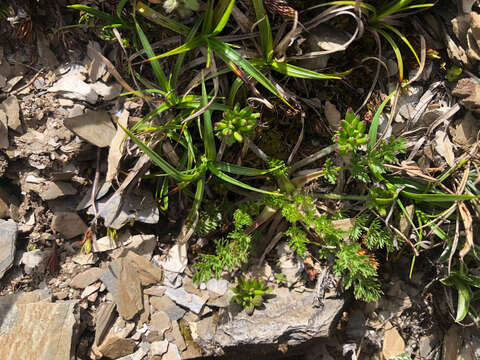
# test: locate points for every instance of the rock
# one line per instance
(466, 130)
(164, 303)
(69, 224)
(393, 343)
(32, 259)
(218, 287)
(176, 259)
(8, 236)
(148, 273)
(104, 317)
(145, 313)
(406, 103)
(159, 347)
(72, 86)
(94, 126)
(114, 347)
(178, 337)
(85, 259)
(115, 151)
(160, 322)
(469, 91)
(355, 329)
(191, 301)
(286, 316)
(289, 266)
(172, 353)
(49, 190)
(65, 102)
(137, 355)
(3, 130)
(452, 342)
(329, 38)
(332, 115)
(87, 277)
(108, 92)
(139, 207)
(37, 330)
(97, 67)
(90, 290)
(12, 110)
(87, 198)
(123, 283)
(143, 245)
(108, 243)
(156, 291)
(427, 344)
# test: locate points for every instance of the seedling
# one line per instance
(236, 124)
(250, 293)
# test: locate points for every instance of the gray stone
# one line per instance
(218, 287)
(165, 304)
(104, 317)
(427, 344)
(117, 213)
(90, 290)
(87, 198)
(12, 109)
(160, 322)
(50, 190)
(178, 337)
(176, 259)
(287, 317)
(123, 283)
(191, 301)
(159, 347)
(3, 130)
(73, 87)
(87, 277)
(94, 126)
(37, 330)
(32, 259)
(172, 353)
(143, 245)
(8, 236)
(69, 224)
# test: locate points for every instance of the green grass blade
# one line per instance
(190, 45)
(396, 50)
(235, 182)
(157, 159)
(208, 137)
(161, 20)
(241, 170)
(266, 37)
(120, 7)
(403, 38)
(226, 52)
(438, 197)
(181, 57)
(298, 72)
(372, 132)
(463, 301)
(97, 13)
(157, 69)
(147, 118)
(225, 8)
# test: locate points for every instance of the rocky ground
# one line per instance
(132, 296)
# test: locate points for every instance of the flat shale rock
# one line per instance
(69, 224)
(36, 330)
(87, 277)
(94, 126)
(287, 316)
(8, 236)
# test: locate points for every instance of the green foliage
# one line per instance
(249, 293)
(236, 124)
(358, 272)
(330, 171)
(208, 221)
(230, 253)
(453, 73)
(280, 279)
(351, 133)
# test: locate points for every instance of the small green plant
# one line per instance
(280, 279)
(236, 124)
(351, 133)
(453, 73)
(250, 293)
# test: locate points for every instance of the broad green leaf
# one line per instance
(235, 182)
(396, 50)
(120, 7)
(372, 132)
(298, 72)
(157, 69)
(225, 8)
(463, 301)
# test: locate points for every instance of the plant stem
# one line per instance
(313, 157)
